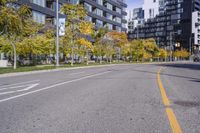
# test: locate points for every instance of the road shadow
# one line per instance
(167, 74)
(192, 66)
(198, 81)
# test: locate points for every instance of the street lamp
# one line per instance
(171, 44)
(57, 34)
(178, 45)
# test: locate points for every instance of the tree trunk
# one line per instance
(100, 59)
(87, 57)
(14, 56)
(107, 58)
(72, 62)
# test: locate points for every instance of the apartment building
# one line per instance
(107, 13)
(103, 13)
(172, 24)
(196, 29)
(135, 18)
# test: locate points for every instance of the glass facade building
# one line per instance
(107, 13)
(172, 25)
(103, 13)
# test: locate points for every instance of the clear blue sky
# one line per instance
(134, 3)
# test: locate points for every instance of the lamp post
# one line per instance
(171, 45)
(57, 34)
(172, 33)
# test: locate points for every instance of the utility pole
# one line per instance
(171, 45)
(190, 39)
(165, 56)
(159, 47)
(57, 34)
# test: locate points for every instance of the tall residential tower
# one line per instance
(103, 13)
(169, 22)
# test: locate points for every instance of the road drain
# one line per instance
(187, 103)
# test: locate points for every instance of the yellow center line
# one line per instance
(175, 127)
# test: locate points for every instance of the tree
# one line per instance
(147, 56)
(126, 51)
(151, 48)
(86, 29)
(85, 45)
(137, 50)
(184, 54)
(75, 15)
(36, 45)
(99, 50)
(109, 50)
(119, 39)
(5, 47)
(100, 42)
(15, 24)
(181, 54)
(162, 54)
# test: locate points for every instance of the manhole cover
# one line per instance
(187, 103)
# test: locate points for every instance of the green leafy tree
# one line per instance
(162, 54)
(109, 51)
(126, 51)
(15, 24)
(100, 42)
(137, 50)
(5, 47)
(181, 54)
(75, 17)
(86, 29)
(119, 39)
(151, 48)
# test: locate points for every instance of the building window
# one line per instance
(151, 13)
(88, 7)
(109, 6)
(98, 12)
(39, 2)
(118, 10)
(109, 26)
(117, 19)
(109, 16)
(119, 29)
(99, 23)
(100, 2)
(39, 17)
(123, 25)
(74, 1)
(89, 19)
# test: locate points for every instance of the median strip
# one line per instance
(175, 127)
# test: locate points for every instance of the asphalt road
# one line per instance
(114, 99)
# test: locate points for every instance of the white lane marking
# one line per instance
(52, 86)
(21, 90)
(14, 87)
(20, 83)
(76, 73)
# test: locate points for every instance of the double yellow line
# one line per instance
(170, 113)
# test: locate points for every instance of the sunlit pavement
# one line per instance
(111, 99)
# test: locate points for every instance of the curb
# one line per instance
(50, 70)
(74, 68)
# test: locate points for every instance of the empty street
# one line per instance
(129, 98)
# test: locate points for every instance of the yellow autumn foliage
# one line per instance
(85, 43)
(86, 28)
